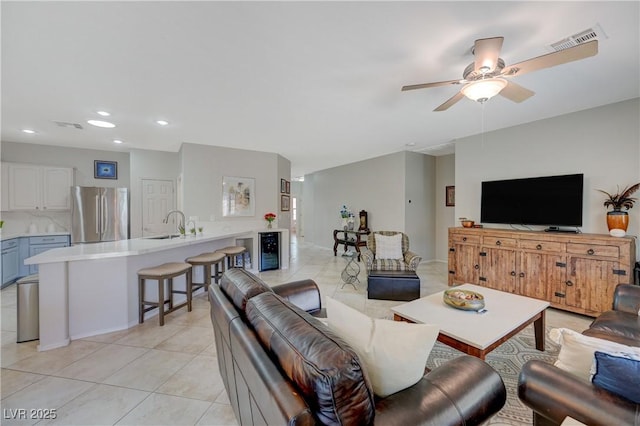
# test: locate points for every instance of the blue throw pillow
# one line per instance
(618, 375)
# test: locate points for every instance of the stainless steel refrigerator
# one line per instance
(99, 214)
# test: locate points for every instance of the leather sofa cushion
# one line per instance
(240, 286)
(323, 367)
(621, 326)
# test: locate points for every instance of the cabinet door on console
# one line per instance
(463, 259)
(539, 274)
(591, 283)
(498, 268)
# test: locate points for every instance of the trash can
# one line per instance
(28, 323)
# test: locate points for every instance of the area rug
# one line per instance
(507, 360)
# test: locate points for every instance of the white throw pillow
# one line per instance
(394, 353)
(577, 351)
(388, 246)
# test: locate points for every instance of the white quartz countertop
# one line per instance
(122, 248)
(10, 235)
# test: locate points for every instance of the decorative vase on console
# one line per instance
(618, 220)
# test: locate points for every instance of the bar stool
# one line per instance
(166, 271)
(231, 253)
(206, 260)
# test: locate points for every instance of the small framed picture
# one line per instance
(450, 196)
(288, 187)
(284, 203)
(283, 186)
(105, 169)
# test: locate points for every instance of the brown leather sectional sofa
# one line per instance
(554, 394)
(282, 366)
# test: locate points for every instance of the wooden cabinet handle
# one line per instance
(513, 273)
(569, 283)
(476, 266)
(464, 238)
(590, 251)
(521, 274)
(538, 247)
(498, 243)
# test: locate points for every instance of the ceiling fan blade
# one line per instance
(516, 93)
(571, 54)
(429, 85)
(487, 51)
(455, 98)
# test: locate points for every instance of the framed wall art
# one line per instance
(450, 196)
(284, 203)
(105, 169)
(238, 196)
(287, 187)
(283, 186)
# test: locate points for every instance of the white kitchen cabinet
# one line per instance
(33, 187)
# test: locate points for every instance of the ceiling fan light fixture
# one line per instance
(483, 90)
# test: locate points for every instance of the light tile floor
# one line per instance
(165, 375)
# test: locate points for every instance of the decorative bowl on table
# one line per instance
(467, 223)
(464, 299)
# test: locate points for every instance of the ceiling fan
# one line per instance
(487, 75)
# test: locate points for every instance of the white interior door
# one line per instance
(158, 198)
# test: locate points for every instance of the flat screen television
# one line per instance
(545, 200)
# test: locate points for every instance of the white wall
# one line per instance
(375, 185)
(147, 164)
(383, 187)
(445, 216)
(602, 143)
(420, 212)
(283, 218)
(203, 168)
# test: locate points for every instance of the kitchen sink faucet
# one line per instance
(182, 223)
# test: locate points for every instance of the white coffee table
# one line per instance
(474, 333)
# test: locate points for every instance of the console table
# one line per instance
(349, 238)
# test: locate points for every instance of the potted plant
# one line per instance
(618, 219)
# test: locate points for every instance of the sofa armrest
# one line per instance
(554, 394)
(412, 259)
(304, 294)
(627, 298)
(465, 390)
(367, 256)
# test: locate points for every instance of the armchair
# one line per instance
(622, 323)
(554, 394)
(408, 262)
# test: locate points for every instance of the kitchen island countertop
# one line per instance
(122, 248)
(91, 289)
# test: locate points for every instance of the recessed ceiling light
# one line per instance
(103, 113)
(162, 122)
(117, 141)
(99, 123)
(31, 132)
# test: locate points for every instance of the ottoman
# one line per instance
(393, 285)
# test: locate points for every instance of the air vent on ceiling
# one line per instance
(68, 125)
(582, 37)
